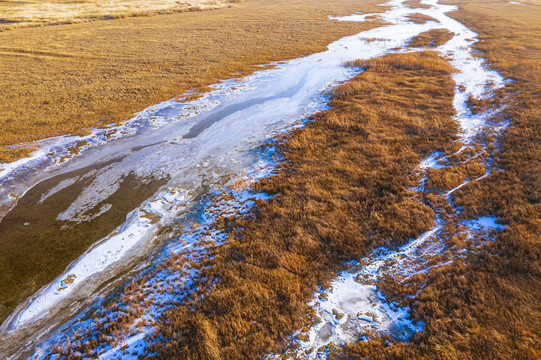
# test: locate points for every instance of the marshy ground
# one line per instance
(388, 162)
(61, 79)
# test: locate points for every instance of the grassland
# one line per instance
(421, 18)
(103, 71)
(432, 38)
(416, 4)
(485, 307)
(16, 13)
(62, 79)
(342, 190)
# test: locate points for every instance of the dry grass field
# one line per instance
(60, 79)
(416, 4)
(345, 184)
(421, 18)
(343, 189)
(484, 307)
(18, 13)
(432, 38)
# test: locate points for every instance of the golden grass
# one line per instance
(421, 18)
(16, 14)
(61, 79)
(343, 189)
(15, 153)
(416, 4)
(432, 38)
(332, 206)
(406, 62)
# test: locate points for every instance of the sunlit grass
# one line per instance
(432, 38)
(42, 12)
(419, 18)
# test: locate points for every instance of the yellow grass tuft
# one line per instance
(425, 60)
(432, 38)
(421, 18)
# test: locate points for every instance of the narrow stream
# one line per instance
(128, 189)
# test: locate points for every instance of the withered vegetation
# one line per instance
(342, 190)
(489, 306)
(432, 38)
(419, 18)
(16, 14)
(416, 4)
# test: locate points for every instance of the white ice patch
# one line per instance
(484, 224)
(129, 349)
(352, 308)
(353, 305)
(432, 162)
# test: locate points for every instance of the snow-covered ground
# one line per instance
(195, 147)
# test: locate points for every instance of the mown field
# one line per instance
(61, 79)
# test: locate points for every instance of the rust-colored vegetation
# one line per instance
(432, 38)
(342, 189)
